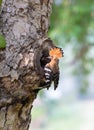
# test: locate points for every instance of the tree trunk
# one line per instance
(24, 24)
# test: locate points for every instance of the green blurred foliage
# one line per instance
(0, 2)
(2, 42)
(72, 24)
(72, 19)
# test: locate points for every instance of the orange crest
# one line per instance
(56, 52)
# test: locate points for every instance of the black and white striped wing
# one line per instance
(48, 76)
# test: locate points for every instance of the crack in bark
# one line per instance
(6, 113)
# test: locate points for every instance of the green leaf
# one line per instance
(2, 42)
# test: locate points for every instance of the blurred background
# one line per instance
(71, 106)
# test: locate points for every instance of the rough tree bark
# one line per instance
(24, 23)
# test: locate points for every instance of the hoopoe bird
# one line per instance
(51, 69)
